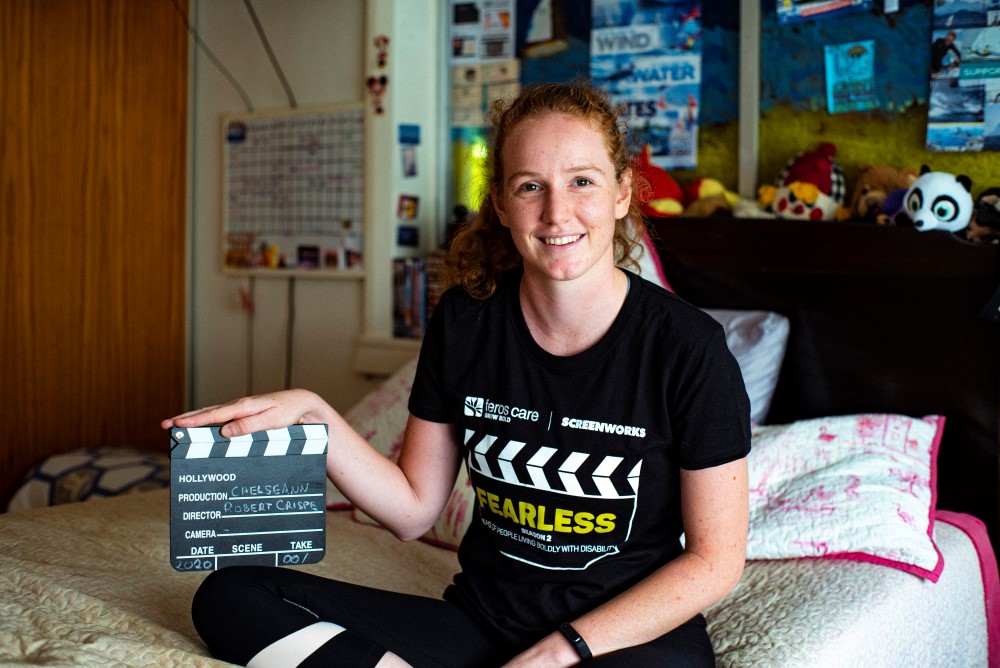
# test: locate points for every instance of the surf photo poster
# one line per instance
(964, 101)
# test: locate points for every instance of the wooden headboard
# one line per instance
(883, 319)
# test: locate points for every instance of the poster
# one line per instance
(791, 11)
(850, 77)
(481, 31)
(964, 102)
(648, 56)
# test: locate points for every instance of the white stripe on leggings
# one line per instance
(289, 651)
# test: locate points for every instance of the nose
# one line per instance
(557, 207)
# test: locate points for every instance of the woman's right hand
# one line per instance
(258, 413)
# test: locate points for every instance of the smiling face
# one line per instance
(559, 196)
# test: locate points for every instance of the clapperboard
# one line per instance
(258, 499)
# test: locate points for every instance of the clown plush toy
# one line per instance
(810, 188)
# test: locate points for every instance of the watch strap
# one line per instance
(575, 639)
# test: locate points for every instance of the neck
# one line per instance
(568, 317)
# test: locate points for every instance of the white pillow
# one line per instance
(758, 340)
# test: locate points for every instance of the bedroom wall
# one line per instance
(319, 46)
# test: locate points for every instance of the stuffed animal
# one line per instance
(872, 186)
(937, 201)
(984, 228)
(708, 197)
(666, 197)
(810, 188)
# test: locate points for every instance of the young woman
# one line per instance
(599, 416)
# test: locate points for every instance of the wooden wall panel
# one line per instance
(93, 140)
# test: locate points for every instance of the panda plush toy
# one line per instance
(937, 201)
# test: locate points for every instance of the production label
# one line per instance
(255, 500)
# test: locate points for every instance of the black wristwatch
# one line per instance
(575, 639)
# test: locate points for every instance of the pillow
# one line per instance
(758, 340)
(851, 487)
(380, 417)
(650, 266)
(91, 473)
(453, 521)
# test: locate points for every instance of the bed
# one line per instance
(887, 350)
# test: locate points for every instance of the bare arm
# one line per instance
(405, 498)
(715, 511)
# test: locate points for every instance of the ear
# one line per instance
(965, 181)
(495, 200)
(624, 199)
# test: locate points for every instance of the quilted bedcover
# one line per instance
(90, 584)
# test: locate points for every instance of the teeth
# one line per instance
(562, 241)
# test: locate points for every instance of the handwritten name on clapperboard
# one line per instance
(258, 499)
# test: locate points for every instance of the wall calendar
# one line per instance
(294, 191)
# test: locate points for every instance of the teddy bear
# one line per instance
(984, 228)
(874, 183)
(707, 197)
(810, 188)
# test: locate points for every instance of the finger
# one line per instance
(261, 418)
(195, 418)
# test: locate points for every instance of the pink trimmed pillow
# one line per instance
(380, 417)
(453, 521)
(860, 487)
(650, 266)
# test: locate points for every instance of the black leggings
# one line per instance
(240, 610)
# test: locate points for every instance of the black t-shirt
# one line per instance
(574, 460)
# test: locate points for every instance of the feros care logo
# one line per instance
(479, 407)
(474, 406)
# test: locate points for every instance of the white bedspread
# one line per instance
(815, 612)
(90, 584)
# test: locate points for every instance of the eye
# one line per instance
(582, 181)
(945, 208)
(527, 187)
(915, 200)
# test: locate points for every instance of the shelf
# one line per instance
(383, 355)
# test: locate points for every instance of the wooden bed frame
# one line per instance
(883, 319)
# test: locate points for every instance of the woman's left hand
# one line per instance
(552, 651)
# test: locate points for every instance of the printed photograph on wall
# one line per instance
(791, 11)
(850, 76)
(647, 54)
(481, 30)
(964, 101)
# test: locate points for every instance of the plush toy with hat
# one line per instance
(811, 187)
(666, 197)
(937, 201)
